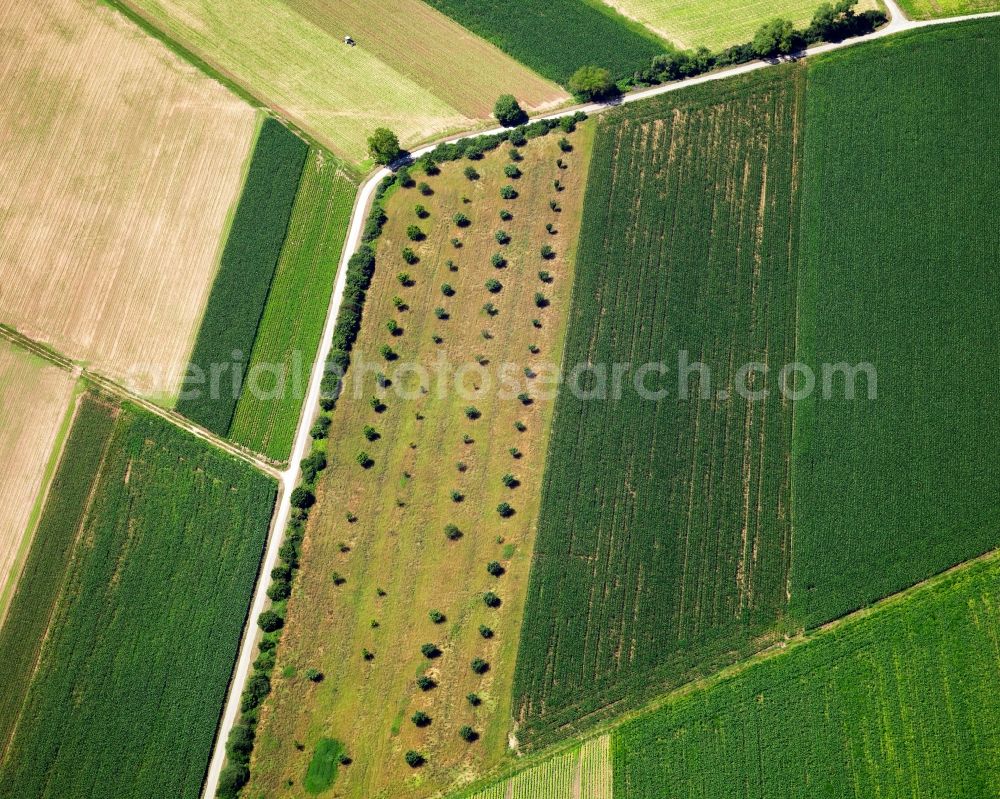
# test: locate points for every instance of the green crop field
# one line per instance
(899, 255)
(713, 25)
(902, 702)
(236, 304)
(287, 339)
(133, 671)
(412, 68)
(664, 538)
(556, 37)
(929, 9)
(24, 628)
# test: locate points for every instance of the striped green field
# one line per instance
(288, 336)
(664, 539)
(931, 9)
(152, 540)
(900, 703)
(899, 270)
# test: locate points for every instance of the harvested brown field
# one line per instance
(121, 164)
(34, 397)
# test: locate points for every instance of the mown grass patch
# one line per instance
(288, 336)
(899, 244)
(239, 293)
(664, 539)
(556, 37)
(137, 658)
(322, 769)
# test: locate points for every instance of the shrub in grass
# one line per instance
(509, 480)
(567, 124)
(387, 352)
(564, 145)
(364, 461)
(376, 404)
(302, 498)
(508, 192)
(468, 734)
(403, 177)
(545, 276)
(515, 453)
(498, 261)
(502, 237)
(533, 349)
(506, 215)
(485, 632)
(461, 219)
(471, 173)
(441, 313)
(447, 289)
(472, 412)
(393, 327)
(493, 286)
(404, 279)
(269, 621)
(490, 309)
(474, 699)
(425, 683)
(512, 171)
(491, 600)
(457, 496)
(370, 432)
(456, 243)
(515, 154)
(547, 252)
(414, 759)
(414, 233)
(409, 256)
(524, 398)
(420, 211)
(367, 655)
(425, 189)
(430, 651)
(495, 568)
(314, 675)
(321, 427)
(505, 510)
(436, 616)
(479, 666)
(536, 323)
(520, 426)
(420, 719)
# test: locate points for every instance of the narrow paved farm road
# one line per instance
(897, 23)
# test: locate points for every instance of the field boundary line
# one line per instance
(119, 391)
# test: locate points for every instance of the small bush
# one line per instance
(456, 243)
(302, 498)
(338, 579)
(364, 461)
(494, 568)
(425, 683)
(479, 666)
(321, 427)
(512, 171)
(468, 734)
(506, 215)
(370, 433)
(414, 233)
(505, 510)
(474, 699)
(471, 173)
(520, 426)
(314, 675)
(420, 211)
(502, 237)
(498, 261)
(493, 286)
(404, 279)
(409, 256)
(485, 632)
(424, 188)
(509, 480)
(461, 219)
(420, 719)
(447, 289)
(472, 412)
(393, 327)
(269, 621)
(436, 616)
(441, 313)
(515, 453)
(508, 192)
(491, 600)
(414, 759)
(457, 496)
(430, 651)
(547, 252)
